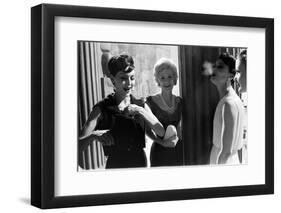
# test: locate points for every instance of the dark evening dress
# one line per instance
(160, 155)
(128, 134)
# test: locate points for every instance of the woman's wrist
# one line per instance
(140, 110)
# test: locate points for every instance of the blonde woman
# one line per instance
(167, 107)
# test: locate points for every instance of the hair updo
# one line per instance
(229, 61)
(119, 63)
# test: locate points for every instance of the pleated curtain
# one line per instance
(90, 86)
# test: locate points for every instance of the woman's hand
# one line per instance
(170, 142)
(104, 137)
(133, 109)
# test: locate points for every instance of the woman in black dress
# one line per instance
(167, 107)
(120, 120)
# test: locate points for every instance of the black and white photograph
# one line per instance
(133, 106)
(152, 105)
(140, 106)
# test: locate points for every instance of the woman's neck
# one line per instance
(122, 99)
(167, 97)
(224, 89)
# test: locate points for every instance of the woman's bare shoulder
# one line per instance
(155, 98)
(95, 113)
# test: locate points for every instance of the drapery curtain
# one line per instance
(90, 91)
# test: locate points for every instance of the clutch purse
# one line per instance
(171, 131)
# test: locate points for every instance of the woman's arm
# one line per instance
(229, 114)
(179, 107)
(179, 129)
(90, 124)
(149, 118)
(88, 134)
(169, 142)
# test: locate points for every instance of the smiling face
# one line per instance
(166, 79)
(221, 73)
(124, 83)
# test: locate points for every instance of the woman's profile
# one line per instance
(229, 114)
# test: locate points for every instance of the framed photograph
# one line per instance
(139, 106)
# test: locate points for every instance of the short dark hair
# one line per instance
(119, 63)
(229, 60)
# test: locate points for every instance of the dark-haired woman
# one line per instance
(119, 121)
(229, 115)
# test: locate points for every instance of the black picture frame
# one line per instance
(43, 102)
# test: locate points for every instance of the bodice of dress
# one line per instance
(161, 155)
(126, 130)
(166, 118)
(219, 124)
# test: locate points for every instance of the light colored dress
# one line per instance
(219, 126)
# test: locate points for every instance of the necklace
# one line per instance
(166, 106)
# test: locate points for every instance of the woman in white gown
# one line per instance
(229, 115)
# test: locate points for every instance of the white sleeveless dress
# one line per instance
(218, 128)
